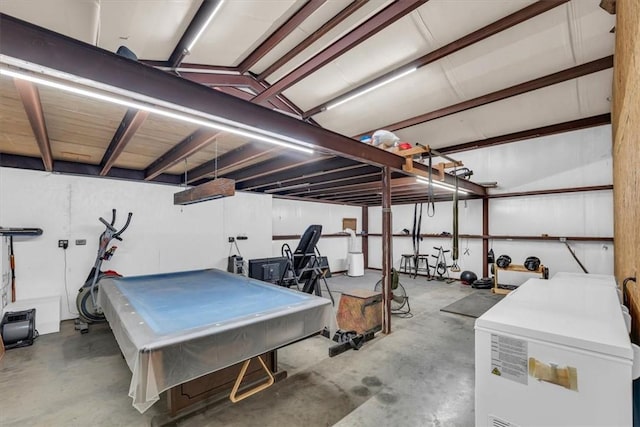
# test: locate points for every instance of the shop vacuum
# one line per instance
(18, 328)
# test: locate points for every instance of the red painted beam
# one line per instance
(519, 89)
(377, 23)
(324, 29)
(129, 125)
(507, 22)
(602, 119)
(33, 108)
(192, 143)
(278, 35)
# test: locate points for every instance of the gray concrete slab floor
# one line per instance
(422, 374)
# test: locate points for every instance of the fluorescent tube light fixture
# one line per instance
(205, 25)
(442, 185)
(155, 110)
(372, 88)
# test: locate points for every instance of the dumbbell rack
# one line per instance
(542, 270)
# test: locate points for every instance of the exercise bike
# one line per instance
(88, 308)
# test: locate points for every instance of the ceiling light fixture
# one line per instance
(157, 110)
(204, 27)
(372, 88)
(442, 185)
(214, 189)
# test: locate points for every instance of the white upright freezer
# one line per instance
(554, 353)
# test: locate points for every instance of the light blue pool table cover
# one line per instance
(176, 327)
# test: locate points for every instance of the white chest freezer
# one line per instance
(554, 353)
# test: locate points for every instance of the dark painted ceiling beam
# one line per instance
(200, 18)
(238, 93)
(270, 167)
(322, 176)
(75, 168)
(33, 44)
(602, 119)
(129, 125)
(236, 81)
(519, 89)
(244, 153)
(311, 199)
(192, 143)
(278, 35)
(371, 183)
(33, 108)
(330, 182)
(220, 80)
(288, 168)
(509, 21)
(372, 26)
(320, 189)
(324, 29)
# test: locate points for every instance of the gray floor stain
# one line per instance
(372, 381)
(387, 398)
(361, 391)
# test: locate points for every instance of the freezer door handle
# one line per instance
(627, 321)
(635, 370)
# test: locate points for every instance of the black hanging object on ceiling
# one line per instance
(126, 52)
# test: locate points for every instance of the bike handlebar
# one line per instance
(110, 227)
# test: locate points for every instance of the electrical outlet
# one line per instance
(241, 237)
(81, 242)
(64, 244)
(232, 239)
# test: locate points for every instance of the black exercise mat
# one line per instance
(475, 304)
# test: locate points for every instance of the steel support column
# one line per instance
(365, 235)
(485, 236)
(387, 259)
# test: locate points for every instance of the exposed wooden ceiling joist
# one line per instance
(377, 23)
(33, 108)
(519, 89)
(602, 119)
(324, 29)
(129, 125)
(278, 35)
(509, 21)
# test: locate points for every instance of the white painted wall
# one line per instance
(573, 159)
(161, 238)
(293, 217)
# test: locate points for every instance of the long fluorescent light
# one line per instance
(205, 25)
(152, 109)
(442, 185)
(379, 85)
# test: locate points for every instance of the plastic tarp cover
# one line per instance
(173, 328)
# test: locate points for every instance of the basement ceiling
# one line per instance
(486, 72)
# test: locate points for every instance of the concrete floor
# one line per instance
(422, 374)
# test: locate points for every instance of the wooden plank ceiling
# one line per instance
(301, 58)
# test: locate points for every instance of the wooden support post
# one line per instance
(387, 260)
